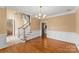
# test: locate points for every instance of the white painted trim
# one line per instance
(65, 13)
(64, 36)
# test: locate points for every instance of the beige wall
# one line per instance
(35, 24)
(3, 21)
(59, 23)
(18, 20)
(77, 21)
(13, 14)
(65, 23)
(10, 13)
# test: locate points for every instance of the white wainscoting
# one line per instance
(16, 40)
(34, 34)
(64, 36)
(3, 41)
(58, 35)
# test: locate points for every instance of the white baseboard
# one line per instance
(3, 41)
(64, 36)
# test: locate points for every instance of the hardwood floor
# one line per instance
(36, 46)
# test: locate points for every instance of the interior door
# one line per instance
(44, 29)
(44, 35)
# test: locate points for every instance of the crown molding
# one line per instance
(65, 13)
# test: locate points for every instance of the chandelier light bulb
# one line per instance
(39, 17)
(44, 16)
(40, 14)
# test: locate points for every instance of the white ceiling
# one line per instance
(47, 10)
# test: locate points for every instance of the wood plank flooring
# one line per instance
(36, 46)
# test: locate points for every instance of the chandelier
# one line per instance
(40, 14)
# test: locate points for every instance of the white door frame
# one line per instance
(13, 22)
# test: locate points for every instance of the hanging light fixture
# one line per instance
(40, 15)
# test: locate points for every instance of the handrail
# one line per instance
(23, 29)
(27, 26)
(23, 25)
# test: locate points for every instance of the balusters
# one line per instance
(18, 32)
(24, 32)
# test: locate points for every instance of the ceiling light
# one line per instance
(40, 15)
(44, 16)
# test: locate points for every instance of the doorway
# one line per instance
(44, 30)
(44, 35)
(9, 27)
(10, 31)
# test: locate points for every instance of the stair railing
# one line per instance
(22, 31)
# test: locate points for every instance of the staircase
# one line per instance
(24, 31)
